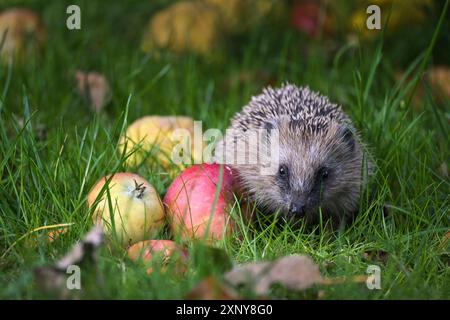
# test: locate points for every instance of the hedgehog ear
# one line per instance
(348, 137)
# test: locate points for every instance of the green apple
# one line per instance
(137, 212)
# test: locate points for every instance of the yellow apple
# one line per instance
(152, 138)
(185, 26)
(20, 30)
(137, 211)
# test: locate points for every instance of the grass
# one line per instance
(44, 182)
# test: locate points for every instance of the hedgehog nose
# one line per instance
(297, 210)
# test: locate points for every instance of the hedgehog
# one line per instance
(307, 160)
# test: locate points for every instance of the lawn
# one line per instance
(53, 148)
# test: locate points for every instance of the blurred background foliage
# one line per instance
(331, 23)
(239, 45)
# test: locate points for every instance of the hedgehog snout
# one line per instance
(297, 209)
(298, 204)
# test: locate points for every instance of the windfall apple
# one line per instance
(159, 252)
(154, 139)
(137, 212)
(194, 207)
(21, 31)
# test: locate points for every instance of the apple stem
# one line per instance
(139, 188)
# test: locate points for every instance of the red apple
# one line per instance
(151, 249)
(191, 202)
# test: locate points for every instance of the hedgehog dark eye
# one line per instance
(283, 171)
(323, 173)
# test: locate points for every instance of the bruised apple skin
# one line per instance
(137, 209)
(154, 140)
(162, 251)
(190, 200)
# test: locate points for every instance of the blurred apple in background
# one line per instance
(201, 26)
(191, 203)
(137, 214)
(21, 30)
(312, 17)
(153, 138)
(185, 26)
(159, 252)
(401, 15)
(238, 16)
(231, 12)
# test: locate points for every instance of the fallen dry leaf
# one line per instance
(20, 30)
(55, 234)
(94, 88)
(84, 250)
(295, 272)
(53, 278)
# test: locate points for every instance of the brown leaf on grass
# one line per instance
(211, 289)
(20, 30)
(295, 272)
(52, 279)
(55, 234)
(83, 251)
(94, 88)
